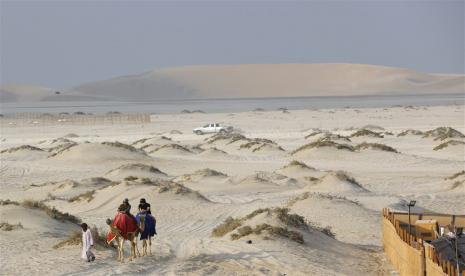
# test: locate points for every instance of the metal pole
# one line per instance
(409, 228)
(456, 251)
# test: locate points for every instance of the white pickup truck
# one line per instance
(212, 128)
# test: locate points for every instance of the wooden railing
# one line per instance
(434, 264)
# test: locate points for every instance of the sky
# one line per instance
(62, 44)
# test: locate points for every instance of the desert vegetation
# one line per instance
(366, 132)
(75, 239)
(323, 143)
(51, 212)
(448, 143)
(87, 196)
(23, 147)
(120, 145)
(282, 215)
(442, 133)
(5, 226)
(375, 146)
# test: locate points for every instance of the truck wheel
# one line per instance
(198, 132)
(222, 131)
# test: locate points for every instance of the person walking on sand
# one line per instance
(87, 243)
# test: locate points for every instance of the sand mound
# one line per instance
(214, 153)
(36, 219)
(172, 149)
(23, 148)
(175, 132)
(266, 223)
(99, 152)
(373, 127)
(411, 132)
(442, 133)
(135, 169)
(297, 169)
(203, 175)
(338, 214)
(71, 135)
(23, 153)
(366, 132)
(260, 145)
(152, 141)
(337, 182)
(322, 143)
(226, 138)
(450, 144)
(267, 179)
(375, 146)
(69, 190)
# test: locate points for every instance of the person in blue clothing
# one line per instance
(147, 225)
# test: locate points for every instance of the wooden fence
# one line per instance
(410, 254)
(41, 119)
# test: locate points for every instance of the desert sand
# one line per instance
(249, 80)
(305, 187)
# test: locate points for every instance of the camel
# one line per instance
(146, 223)
(122, 228)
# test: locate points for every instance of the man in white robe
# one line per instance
(87, 243)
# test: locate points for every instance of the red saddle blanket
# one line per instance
(124, 223)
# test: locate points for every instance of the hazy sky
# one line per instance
(62, 44)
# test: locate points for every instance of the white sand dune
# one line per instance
(90, 180)
(270, 80)
(135, 169)
(25, 153)
(99, 152)
(337, 183)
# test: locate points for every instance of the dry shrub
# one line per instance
(410, 132)
(293, 220)
(121, 145)
(87, 196)
(448, 143)
(227, 226)
(131, 178)
(172, 146)
(366, 132)
(442, 133)
(375, 146)
(5, 226)
(75, 239)
(23, 147)
(8, 202)
(324, 143)
(455, 175)
(51, 212)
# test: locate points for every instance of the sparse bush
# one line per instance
(448, 143)
(455, 175)
(442, 133)
(87, 196)
(51, 212)
(293, 220)
(131, 178)
(410, 132)
(121, 145)
(23, 147)
(375, 146)
(227, 226)
(8, 202)
(5, 226)
(366, 132)
(323, 143)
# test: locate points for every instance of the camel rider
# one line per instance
(127, 206)
(143, 205)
